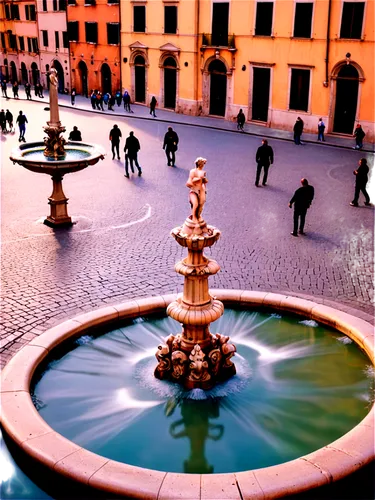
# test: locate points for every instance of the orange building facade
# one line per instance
(94, 40)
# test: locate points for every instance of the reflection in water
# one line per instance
(196, 426)
(297, 388)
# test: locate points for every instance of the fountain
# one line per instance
(56, 157)
(196, 358)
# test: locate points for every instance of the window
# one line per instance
(113, 33)
(65, 40)
(72, 2)
(263, 22)
(111, 2)
(21, 43)
(299, 89)
(30, 13)
(62, 4)
(34, 42)
(2, 38)
(220, 18)
(7, 11)
(303, 20)
(45, 5)
(139, 18)
(15, 12)
(73, 31)
(89, 2)
(54, 5)
(170, 19)
(91, 32)
(57, 40)
(29, 45)
(352, 20)
(45, 38)
(12, 41)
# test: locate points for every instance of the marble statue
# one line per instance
(197, 183)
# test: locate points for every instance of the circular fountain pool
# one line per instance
(299, 386)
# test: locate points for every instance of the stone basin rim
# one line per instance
(38, 440)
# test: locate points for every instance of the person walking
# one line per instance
(93, 99)
(321, 127)
(131, 149)
(170, 145)
(114, 136)
(111, 102)
(9, 119)
(28, 91)
(22, 120)
(15, 90)
(4, 89)
(240, 120)
(264, 158)
(359, 135)
(302, 199)
(118, 98)
(153, 104)
(298, 129)
(126, 99)
(40, 90)
(75, 135)
(73, 96)
(361, 179)
(3, 122)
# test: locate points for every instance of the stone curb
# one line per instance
(39, 441)
(211, 127)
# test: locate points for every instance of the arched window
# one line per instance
(170, 62)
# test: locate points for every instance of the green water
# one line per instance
(298, 387)
(70, 154)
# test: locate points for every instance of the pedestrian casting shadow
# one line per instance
(274, 189)
(319, 238)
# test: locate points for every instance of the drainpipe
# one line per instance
(325, 83)
(197, 15)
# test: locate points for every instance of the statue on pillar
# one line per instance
(197, 183)
(54, 142)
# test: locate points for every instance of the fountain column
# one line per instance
(195, 357)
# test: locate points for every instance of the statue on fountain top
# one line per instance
(197, 183)
(54, 142)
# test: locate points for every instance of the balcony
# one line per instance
(218, 40)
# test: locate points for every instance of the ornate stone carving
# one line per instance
(195, 358)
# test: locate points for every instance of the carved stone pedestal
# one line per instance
(59, 205)
(196, 358)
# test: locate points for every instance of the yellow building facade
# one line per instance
(275, 60)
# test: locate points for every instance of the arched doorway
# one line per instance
(218, 87)
(60, 74)
(82, 69)
(347, 84)
(106, 79)
(24, 75)
(34, 73)
(140, 79)
(170, 77)
(13, 71)
(6, 70)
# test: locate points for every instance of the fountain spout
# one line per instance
(54, 142)
(195, 357)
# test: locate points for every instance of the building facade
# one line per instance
(19, 58)
(94, 36)
(53, 41)
(275, 59)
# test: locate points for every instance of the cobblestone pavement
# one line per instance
(120, 247)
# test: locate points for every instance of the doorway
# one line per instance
(82, 69)
(261, 94)
(106, 79)
(34, 73)
(13, 71)
(347, 84)
(140, 79)
(24, 75)
(170, 87)
(60, 75)
(6, 68)
(218, 88)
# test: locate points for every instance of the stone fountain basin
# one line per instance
(79, 155)
(39, 441)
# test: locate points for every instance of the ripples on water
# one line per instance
(296, 389)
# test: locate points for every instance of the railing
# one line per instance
(218, 40)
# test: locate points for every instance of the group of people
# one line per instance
(98, 100)
(38, 89)
(132, 146)
(6, 117)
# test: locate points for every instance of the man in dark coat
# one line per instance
(264, 158)
(21, 120)
(114, 137)
(170, 145)
(4, 88)
(298, 129)
(28, 91)
(359, 135)
(9, 119)
(75, 135)
(131, 149)
(3, 122)
(361, 179)
(302, 199)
